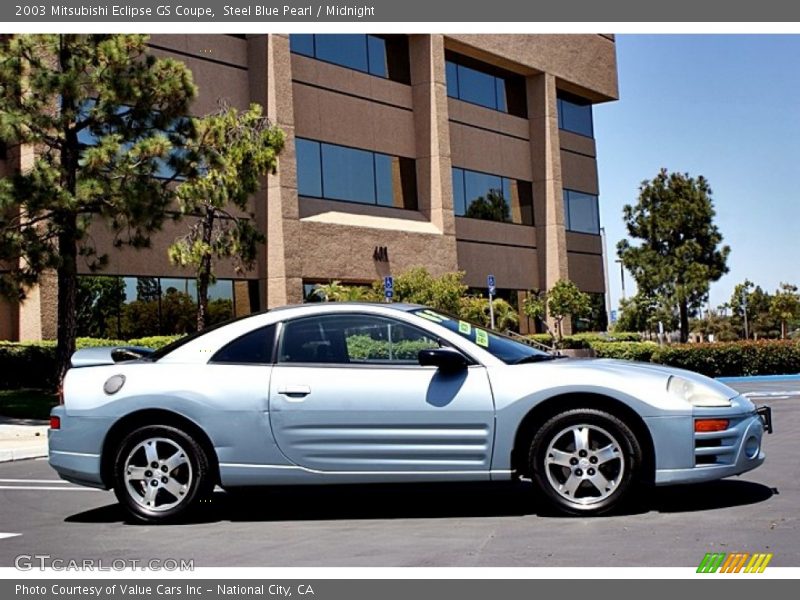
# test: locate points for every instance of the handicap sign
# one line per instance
(388, 287)
(490, 284)
(613, 316)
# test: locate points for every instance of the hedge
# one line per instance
(33, 364)
(582, 341)
(722, 359)
(730, 359)
(639, 351)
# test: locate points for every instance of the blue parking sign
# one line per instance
(388, 287)
(490, 284)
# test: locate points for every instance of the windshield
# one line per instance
(504, 348)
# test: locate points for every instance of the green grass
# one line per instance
(27, 403)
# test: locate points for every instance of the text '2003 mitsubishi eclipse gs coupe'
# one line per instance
(361, 393)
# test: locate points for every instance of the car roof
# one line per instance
(404, 306)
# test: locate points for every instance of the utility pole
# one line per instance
(622, 276)
(744, 307)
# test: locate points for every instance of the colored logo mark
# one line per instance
(735, 562)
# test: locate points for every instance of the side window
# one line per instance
(352, 339)
(254, 347)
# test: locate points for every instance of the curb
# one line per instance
(23, 453)
(757, 378)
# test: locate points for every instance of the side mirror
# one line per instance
(446, 359)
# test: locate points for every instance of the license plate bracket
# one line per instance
(765, 412)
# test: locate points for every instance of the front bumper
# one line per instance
(720, 454)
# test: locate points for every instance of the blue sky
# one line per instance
(726, 107)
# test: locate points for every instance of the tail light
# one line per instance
(55, 422)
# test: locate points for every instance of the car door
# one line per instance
(348, 395)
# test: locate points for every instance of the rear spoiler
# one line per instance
(91, 357)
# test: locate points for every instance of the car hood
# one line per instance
(639, 370)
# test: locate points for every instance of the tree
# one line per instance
(336, 292)
(563, 300)
(476, 309)
(418, 286)
(228, 156)
(99, 306)
(761, 321)
(148, 288)
(785, 306)
(493, 207)
(680, 254)
(102, 115)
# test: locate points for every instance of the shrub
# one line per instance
(363, 347)
(154, 341)
(638, 351)
(32, 364)
(730, 359)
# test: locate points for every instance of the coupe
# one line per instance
(363, 393)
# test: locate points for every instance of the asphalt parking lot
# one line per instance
(440, 525)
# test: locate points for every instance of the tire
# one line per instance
(181, 477)
(585, 462)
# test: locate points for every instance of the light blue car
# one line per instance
(362, 393)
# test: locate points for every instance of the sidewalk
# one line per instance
(22, 438)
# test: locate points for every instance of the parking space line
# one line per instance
(43, 487)
(9, 535)
(59, 481)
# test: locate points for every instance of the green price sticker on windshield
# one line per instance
(481, 338)
(464, 327)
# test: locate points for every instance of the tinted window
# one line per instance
(382, 56)
(581, 212)
(342, 49)
(251, 348)
(575, 115)
(477, 87)
(348, 174)
(340, 173)
(302, 43)
(491, 197)
(485, 85)
(352, 339)
(309, 168)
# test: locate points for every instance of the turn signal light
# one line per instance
(708, 425)
(55, 422)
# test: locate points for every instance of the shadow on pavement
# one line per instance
(430, 501)
(708, 496)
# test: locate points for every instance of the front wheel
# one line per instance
(585, 461)
(160, 474)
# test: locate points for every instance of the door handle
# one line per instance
(294, 391)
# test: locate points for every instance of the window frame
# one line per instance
(567, 218)
(374, 174)
(504, 182)
(360, 365)
(369, 60)
(575, 101)
(499, 76)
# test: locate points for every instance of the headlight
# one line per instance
(694, 393)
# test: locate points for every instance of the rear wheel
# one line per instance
(585, 461)
(160, 474)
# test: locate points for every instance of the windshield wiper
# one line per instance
(533, 358)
